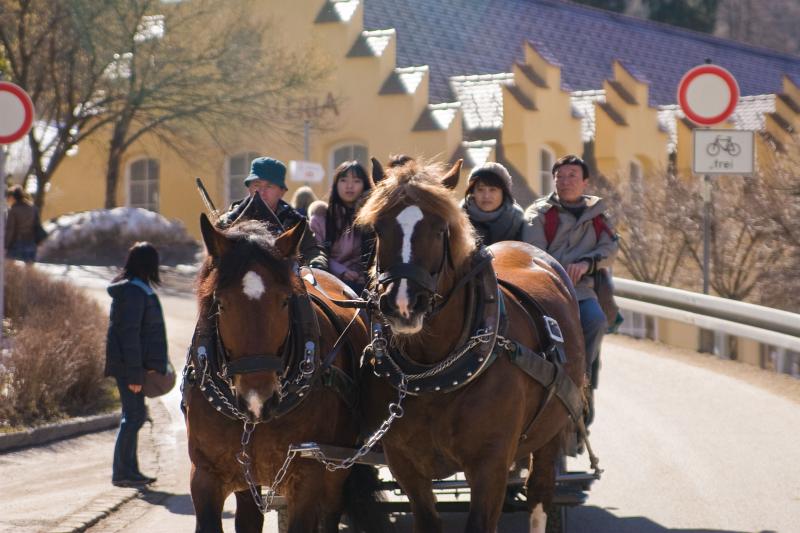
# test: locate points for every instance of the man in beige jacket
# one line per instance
(573, 228)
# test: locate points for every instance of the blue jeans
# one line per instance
(594, 324)
(134, 414)
(22, 251)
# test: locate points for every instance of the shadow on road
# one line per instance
(585, 519)
(590, 518)
(179, 504)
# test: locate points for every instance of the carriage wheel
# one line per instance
(556, 519)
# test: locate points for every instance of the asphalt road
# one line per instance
(689, 443)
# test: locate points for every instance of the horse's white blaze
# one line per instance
(255, 403)
(538, 519)
(402, 299)
(408, 219)
(253, 285)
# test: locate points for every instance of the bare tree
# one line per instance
(752, 233)
(781, 287)
(188, 73)
(45, 53)
(197, 72)
(652, 244)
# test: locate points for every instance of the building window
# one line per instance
(143, 176)
(238, 170)
(546, 161)
(349, 152)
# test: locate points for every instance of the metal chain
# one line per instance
(264, 503)
(395, 412)
(235, 411)
(482, 336)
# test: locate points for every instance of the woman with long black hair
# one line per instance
(136, 344)
(348, 248)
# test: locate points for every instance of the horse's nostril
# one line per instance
(385, 304)
(421, 301)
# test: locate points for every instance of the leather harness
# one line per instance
(482, 342)
(210, 368)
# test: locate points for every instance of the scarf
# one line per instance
(502, 224)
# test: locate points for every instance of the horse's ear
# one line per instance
(215, 241)
(450, 180)
(377, 171)
(288, 243)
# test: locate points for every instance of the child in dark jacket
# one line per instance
(136, 344)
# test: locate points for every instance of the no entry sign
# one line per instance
(708, 94)
(16, 113)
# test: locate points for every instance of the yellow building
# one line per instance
(520, 83)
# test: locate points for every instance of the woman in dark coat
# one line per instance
(490, 206)
(21, 224)
(136, 344)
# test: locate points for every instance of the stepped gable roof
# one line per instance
(469, 37)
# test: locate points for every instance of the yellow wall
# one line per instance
(550, 125)
(639, 139)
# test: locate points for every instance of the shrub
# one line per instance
(103, 237)
(54, 366)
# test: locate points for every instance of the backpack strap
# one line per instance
(551, 224)
(600, 226)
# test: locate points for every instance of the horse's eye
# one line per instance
(285, 302)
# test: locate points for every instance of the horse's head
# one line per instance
(420, 231)
(248, 281)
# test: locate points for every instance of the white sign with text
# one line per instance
(723, 152)
(306, 171)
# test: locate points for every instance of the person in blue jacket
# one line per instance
(136, 344)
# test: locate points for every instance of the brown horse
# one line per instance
(266, 375)
(472, 404)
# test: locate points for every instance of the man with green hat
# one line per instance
(268, 178)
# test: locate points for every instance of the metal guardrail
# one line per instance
(763, 324)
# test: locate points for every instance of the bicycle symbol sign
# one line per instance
(724, 144)
(723, 152)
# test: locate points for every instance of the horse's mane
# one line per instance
(413, 183)
(250, 241)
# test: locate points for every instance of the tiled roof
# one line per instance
(371, 43)
(750, 114)
(481, 99)
(337, 11)
(750, 111)
(404, 80)
(583, 103)
(437, 116)
(468, 37)
(475, 153)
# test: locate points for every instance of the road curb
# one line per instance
(61, 430)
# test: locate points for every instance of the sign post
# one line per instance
(708, 94)
(16, 119)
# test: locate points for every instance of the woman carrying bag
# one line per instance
(136, 348)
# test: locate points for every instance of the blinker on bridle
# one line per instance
(266, 362)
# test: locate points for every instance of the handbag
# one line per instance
(604, 288)
(157, 384)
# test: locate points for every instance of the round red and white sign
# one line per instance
(16, 113)
(708, 94)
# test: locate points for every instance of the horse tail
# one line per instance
(362, 501)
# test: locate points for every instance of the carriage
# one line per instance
(451, 338)
(572, 488)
